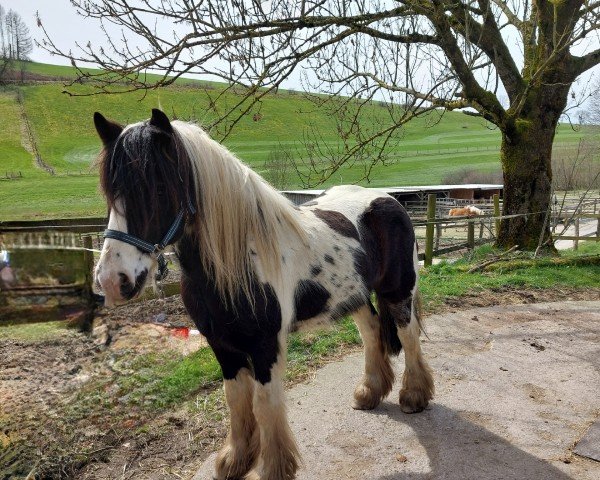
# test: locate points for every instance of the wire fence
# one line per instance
(573, 218)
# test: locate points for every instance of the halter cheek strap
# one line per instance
(152, 249)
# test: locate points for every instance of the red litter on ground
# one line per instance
(181, 332)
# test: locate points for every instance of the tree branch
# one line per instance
(586, 62)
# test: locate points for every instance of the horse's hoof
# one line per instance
(413, 401)
(231, 465)
(365, 398)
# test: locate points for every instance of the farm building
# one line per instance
(408, 195)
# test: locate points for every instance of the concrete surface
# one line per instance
(589, 445)
(516, 388)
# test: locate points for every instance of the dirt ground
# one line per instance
(43, 429)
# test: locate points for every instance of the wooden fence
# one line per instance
(436, 221)
(437, 232)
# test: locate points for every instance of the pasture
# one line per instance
(424, 152)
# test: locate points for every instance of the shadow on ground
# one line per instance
(459, 449)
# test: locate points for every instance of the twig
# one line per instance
(497, 258)
(31, 475)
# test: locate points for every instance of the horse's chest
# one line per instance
(239, 325)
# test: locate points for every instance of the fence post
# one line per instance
(576, 241)
(429, 229)
(438, 235)
(497, 212)
(471, 234)
(88, 256)
(86, 320)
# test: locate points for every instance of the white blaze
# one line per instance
(119, 258)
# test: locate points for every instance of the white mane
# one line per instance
(238, 214)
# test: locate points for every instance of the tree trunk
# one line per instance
(526, 156)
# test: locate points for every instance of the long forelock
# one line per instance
(134, 165)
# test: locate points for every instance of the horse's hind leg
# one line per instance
(241, 447)
(417, 380)
(378, 377)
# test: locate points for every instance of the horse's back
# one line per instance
(384, 231)
(349, 200)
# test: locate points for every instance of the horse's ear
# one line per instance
(107, 130)
(161, 121)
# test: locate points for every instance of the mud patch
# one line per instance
(54, 423)
(510, 295)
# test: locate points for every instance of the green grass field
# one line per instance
(424, 152)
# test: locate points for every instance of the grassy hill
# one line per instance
(63, 129)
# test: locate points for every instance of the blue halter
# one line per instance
(154, 250)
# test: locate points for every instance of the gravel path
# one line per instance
(516, 387)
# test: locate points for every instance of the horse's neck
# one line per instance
(188, 254)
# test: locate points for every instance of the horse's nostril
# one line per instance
(126, 287)
(130, 289)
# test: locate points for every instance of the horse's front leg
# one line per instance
(238, 454)
(279, 456)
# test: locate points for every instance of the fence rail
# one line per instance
(574, 213)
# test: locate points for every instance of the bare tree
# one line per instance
(412, 55)
(593, 111)
(577, 167)
(5, 61)
(279, 167)
(15, 42)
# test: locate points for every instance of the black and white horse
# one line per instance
(252, 266)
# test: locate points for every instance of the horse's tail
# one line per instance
(388, 327)
(393, 315)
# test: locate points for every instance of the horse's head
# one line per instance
(147, 180)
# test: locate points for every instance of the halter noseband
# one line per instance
(154, 250)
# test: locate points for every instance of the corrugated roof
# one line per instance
(420, 188)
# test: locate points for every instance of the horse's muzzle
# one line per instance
(119, 288)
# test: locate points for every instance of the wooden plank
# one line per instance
(75, 225)
(456, 248)
(429, 229)
(567, 216)
(497, 213)
(83, 228)
(569, 237)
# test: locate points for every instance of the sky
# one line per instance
(60, 20)
(66, 28)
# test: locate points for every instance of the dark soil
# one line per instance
(514, 295)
